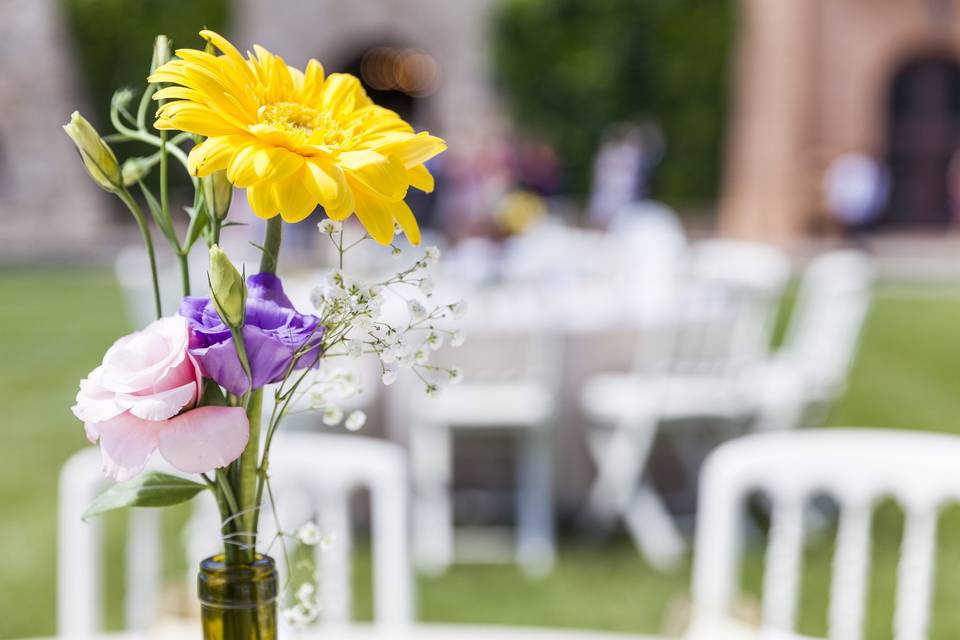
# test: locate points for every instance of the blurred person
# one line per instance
(537, 167)
(622, 170)
(953, 187)
(476, 179)
(856, 188)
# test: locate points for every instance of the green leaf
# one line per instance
(212, 394)
(198, 222)
(151, 489)
(163, 222)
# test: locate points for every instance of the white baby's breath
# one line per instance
(329, 226)
(309, 534)
(389, 376)
(417, 310)
(332, 416)
(355, 420)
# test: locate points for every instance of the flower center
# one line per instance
(292, 116)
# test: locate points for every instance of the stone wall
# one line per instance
(47, 204)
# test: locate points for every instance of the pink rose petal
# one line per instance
(205, 438)
(161, 405)
(126, 443)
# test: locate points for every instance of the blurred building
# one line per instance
(818, 79)
(46, 201)
(425, 59)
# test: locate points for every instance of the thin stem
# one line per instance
(249, 460)
(184, 273)
(271, 245)
(142, 107)
(147, 241)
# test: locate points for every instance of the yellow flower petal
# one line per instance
(385, 175)
(213, 154)
(262, 200)
(312, 83)
(273, 163)
(374, 214)
(415, 149)
(329, 187)
(195, 118)
(420, 178)
(295, 200)
(405, 218)
(340, 92)
(240, 171)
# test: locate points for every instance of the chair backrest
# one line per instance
(313, 477)
(831, 308)
(726, 315)
(856, 467)
(317, 470)
(80, 553)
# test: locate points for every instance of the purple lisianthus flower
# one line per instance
(273, 333)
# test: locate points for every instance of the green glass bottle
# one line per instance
(238, 601)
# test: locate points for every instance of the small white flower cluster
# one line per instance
(303, 603)
(327, 389)
(305, 608)
(355, 326)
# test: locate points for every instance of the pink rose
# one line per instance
(142, 398)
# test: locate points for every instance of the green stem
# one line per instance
(229, 509)
(147, 241)
(249, 459)
(184, 273)
(271, 245)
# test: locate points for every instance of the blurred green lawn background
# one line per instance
(56, 324)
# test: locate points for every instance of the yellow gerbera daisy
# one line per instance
(295, 140)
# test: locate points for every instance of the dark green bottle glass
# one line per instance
(238, 601)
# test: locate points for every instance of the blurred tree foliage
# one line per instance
(571, 68)
(114, 39)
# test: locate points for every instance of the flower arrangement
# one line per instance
(191, 385)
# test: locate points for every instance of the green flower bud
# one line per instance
(135, 169)
(227, 288)
(161, 52)
(122, 98)
(97, 157)
(217, 193)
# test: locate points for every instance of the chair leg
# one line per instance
(143, 568)
(431, 462)
(334, 560)
(536, 550)
(80, 550)
(653, 530)
(617, 492)
(620, 456)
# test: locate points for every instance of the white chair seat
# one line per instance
(614, 398)
(491, 405)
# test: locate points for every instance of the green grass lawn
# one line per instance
(56, 325)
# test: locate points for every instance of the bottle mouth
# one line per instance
(237, 586)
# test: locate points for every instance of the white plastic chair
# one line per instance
(80, 553)
(320, 471)
(514, 394)
(856, 467)
(810, 370)
(721, 326)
